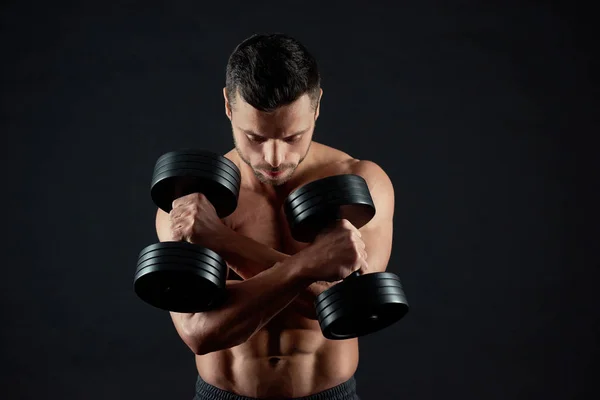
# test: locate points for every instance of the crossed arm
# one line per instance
(270, 282)
(377, 235)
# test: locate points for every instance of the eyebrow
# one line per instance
(250, 132)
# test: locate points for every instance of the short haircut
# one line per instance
(272, 70)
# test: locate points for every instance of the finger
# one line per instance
(185, 212)
(180, 213)
(199, 196)
(353, 229)
(176, 234)
(175, 216)
(176, 203)
(175, 227)
(174, 213)
(183, 200)
(346, 224)
(364, 267)
(361, 243)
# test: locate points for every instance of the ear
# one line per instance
(318, 110)
(227, 104)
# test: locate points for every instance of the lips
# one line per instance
(273, 174)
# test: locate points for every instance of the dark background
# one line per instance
(482, 113)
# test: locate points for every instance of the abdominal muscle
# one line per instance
(288, 358)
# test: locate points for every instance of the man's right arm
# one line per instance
(249, 304)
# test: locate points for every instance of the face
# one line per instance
(273, 144)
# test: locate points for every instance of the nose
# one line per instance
(273, 154)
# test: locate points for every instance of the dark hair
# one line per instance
(272, 70)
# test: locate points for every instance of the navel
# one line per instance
(274, 361)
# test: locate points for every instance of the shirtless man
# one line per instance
(265, 341)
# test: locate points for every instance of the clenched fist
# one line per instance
(195, 220)
(336, 253)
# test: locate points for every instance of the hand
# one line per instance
(336, 253)
(195, 220)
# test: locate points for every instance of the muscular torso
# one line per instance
(289, 357)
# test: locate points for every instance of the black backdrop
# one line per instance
(479, 111)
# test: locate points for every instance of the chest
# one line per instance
(263, 220)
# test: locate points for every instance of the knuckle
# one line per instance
(201, 197)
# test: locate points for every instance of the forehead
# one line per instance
(294, 116)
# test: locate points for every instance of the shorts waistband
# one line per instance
(343, 391)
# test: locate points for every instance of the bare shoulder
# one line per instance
(232, 156)
(332, 161)
(373, 173)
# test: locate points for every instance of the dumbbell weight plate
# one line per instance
(221, 176)
(339, 292)
(326, 183)
(334, 197)
(196, 154)
(177, 183)
(178, 288)
(310, 199)
(175, 260)
(361, 305)
(197, 163)
(322, 204)
(351, 186)
(191, 282)
(305, 225)
(389, 284)
(185, 253)
(213, 175)
(168, 248)
(217, 269)
(235, 183)
(207, 256)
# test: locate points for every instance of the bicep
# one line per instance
(378, 233)
(163, 226)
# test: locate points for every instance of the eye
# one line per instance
(292, 139)
(256, 139)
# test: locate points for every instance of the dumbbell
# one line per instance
(360, 304)
(180, 276)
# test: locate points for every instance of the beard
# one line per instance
(288, 169)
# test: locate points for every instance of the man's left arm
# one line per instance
(377, 234)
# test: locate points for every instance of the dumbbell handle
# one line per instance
(355, 274)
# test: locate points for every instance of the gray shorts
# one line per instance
(343, 391)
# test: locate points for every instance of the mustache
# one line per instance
(270, 169)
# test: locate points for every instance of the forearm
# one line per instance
(305, 302)
(249, 306)
(240, 250)
(256, 257)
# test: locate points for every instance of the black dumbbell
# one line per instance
(180, 276)
(360, 304)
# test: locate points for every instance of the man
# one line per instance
(265, 341)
